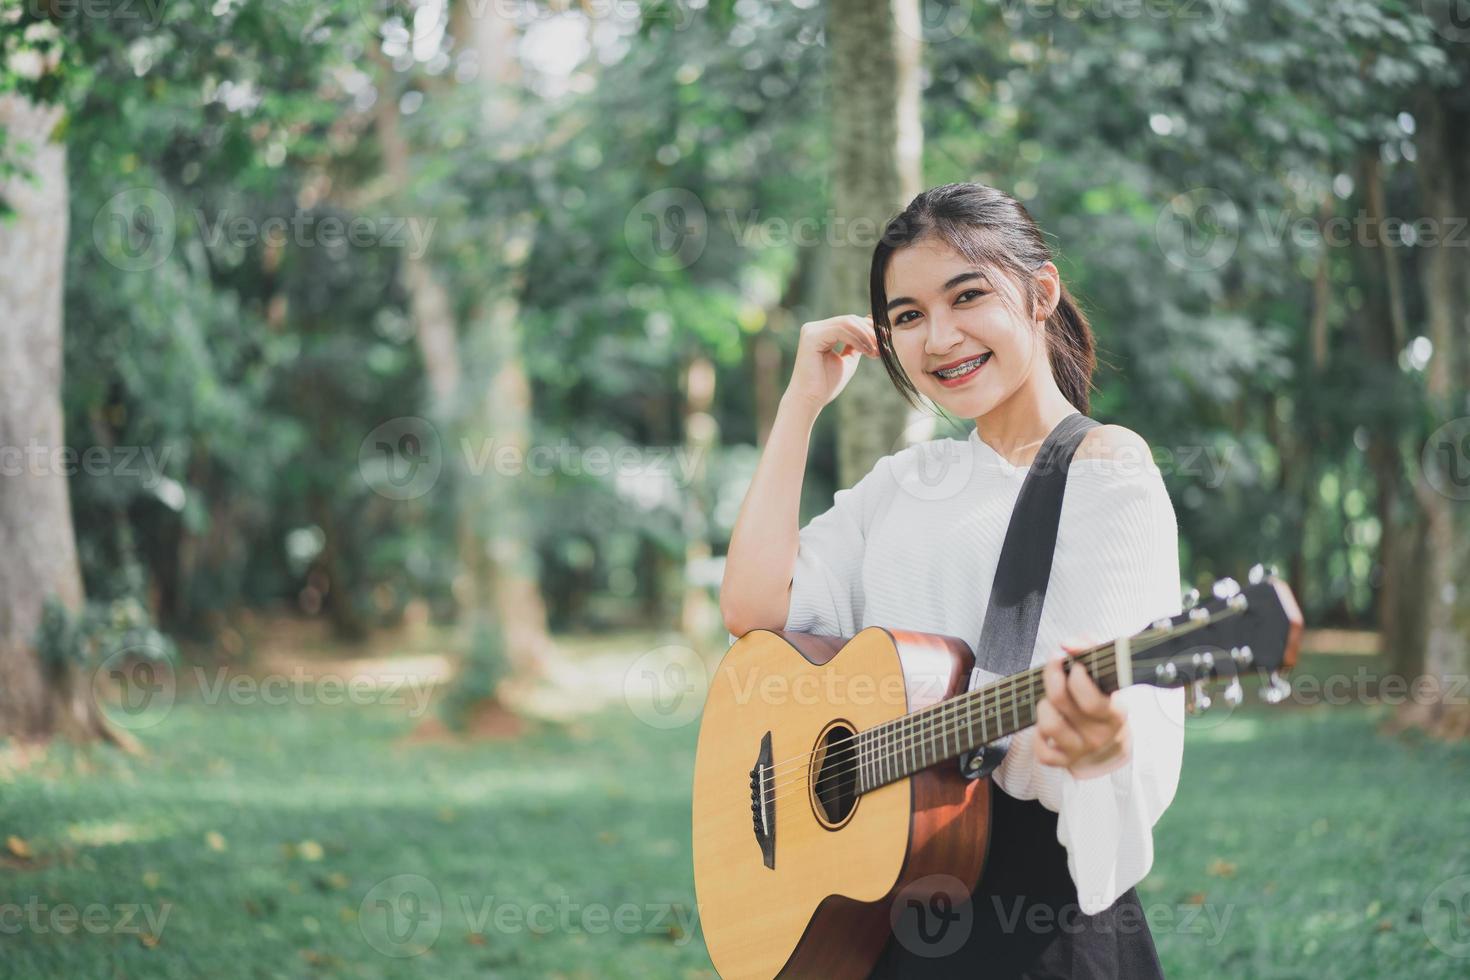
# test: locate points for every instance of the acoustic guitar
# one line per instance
(825, 780)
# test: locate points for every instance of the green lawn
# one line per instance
(275, 841)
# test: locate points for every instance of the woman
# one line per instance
(968, 311)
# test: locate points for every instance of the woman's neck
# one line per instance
(1018, 426)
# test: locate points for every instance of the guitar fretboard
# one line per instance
(963, 723)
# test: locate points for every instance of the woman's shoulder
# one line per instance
(1114, 464)
(1115, 443)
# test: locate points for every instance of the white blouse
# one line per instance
(914, 545)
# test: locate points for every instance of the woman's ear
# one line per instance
(1050, 283)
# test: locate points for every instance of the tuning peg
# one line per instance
(1190, 598)
(1225, 588)
(1256, 574)
(1234, 694)
(1199, 698)
(1278, 690)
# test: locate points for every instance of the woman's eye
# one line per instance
(901, 321)
(977, 292)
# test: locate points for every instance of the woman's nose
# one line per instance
(942, 334)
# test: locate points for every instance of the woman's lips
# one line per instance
(964, 378)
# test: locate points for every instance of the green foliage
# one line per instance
(99, 631)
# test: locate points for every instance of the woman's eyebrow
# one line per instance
(952, 283)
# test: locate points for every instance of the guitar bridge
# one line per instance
(763, 802)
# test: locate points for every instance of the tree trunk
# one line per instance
(1443, 168)
(493, 345)
(481, 394)
(877, 143)
(700, 617)
(38, 555)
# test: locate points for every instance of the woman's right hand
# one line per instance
(820, 372)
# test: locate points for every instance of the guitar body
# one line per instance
(812, 896)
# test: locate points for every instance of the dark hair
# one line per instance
(997, 234)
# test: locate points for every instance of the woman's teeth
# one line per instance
(960, 370)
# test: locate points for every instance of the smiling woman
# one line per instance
(966, 302)
(968, 312)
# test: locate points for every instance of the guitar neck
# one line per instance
(962, 724)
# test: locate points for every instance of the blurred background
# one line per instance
(379, 383)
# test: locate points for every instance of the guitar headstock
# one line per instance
(1238, 631)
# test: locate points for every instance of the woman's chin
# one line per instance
(965, 402)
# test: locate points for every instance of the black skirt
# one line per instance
(1023, 920)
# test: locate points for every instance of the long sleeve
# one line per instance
(1120, 572)
(827, 581)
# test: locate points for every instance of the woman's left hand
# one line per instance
(1078, 727)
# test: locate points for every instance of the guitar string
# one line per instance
(949, 710)
(925, 728)
(909, 748)
(1141, 642)
(922, 737)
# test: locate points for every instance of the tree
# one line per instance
(39, 696)
(874, 50)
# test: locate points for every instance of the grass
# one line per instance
(274, 838)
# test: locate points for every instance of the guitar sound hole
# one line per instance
(834, 788)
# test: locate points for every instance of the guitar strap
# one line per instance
(1008, 637)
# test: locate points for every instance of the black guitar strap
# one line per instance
(1011, 620)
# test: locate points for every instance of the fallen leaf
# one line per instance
(215, 840)
(18, 847)
(309, 850)
(1221, 868)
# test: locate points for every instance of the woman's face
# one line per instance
(943, 310)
